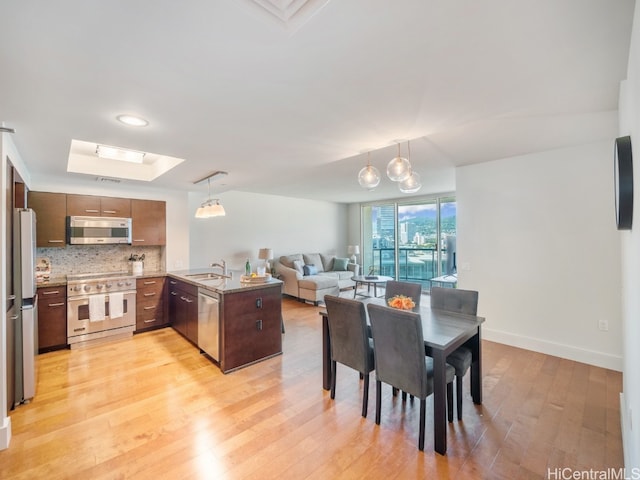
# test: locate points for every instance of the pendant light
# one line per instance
(210, 207)
(412, 183)
(399, 168)
(369, 176)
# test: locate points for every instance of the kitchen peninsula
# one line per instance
(246, 316)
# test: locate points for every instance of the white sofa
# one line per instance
(330, 275)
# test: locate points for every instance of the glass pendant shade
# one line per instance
(369, 177)
(211, 207)
(399, 168)
(411, 184)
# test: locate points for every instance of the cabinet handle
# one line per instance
(259, 325)
(11, 297)
(51, 292)
(150, 282)
(56, 304)
(14, 317)
(149, 308)
(259, 302)
(174, 293)
(138, 239)
(79, 329)
(150, 321)
(91, 210)
(149, 294)
(55, 241)
(108, 211)
(173, 282)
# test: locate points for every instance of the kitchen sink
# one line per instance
(206, 276)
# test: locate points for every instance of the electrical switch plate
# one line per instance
(603, 325)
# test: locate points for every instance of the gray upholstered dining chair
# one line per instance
(408, 289)
(400, 359)
(458, 301)
(350, 342)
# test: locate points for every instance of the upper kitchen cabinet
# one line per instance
(50, 211)
(95, 206)
(148, 222)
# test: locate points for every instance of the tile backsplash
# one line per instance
(74, 259)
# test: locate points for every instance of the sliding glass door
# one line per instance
(410, 241)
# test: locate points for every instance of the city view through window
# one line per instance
(425, 236)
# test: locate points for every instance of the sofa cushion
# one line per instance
(309, 270)
(318, 282)
(327, 262)
(297, 266)
(287, 260)
(340, 264)
(313, 259)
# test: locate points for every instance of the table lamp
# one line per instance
(353, 250)
(266, 254)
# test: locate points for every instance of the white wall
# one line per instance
(254, 221)
(630, 125)
(537, 239)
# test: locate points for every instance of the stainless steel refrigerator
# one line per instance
(26, 323)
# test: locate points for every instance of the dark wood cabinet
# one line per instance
(183, 309)
(50, 211)
(148, 220)
(150, 303)
(95, 206)
(250, 326)
(52, 318)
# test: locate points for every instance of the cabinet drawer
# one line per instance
(149, 314)
(48, 293)
(149, 287)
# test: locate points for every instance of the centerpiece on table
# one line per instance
(401, 302)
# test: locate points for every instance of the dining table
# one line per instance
(443, 332)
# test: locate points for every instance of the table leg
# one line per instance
(326, 354)
(355, 290)
(439, 402)
(476, 368)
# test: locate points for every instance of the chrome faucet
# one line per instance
(222, 265)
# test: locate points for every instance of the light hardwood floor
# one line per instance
(153, 407)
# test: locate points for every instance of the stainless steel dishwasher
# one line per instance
(209, 323)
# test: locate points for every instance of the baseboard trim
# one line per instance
(625, 432)
(5, 433)
(591, 357)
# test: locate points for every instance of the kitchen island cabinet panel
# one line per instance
(183, 309)
(250, 326)
(52, 318)
(50, 211)
(148, 222)
(150, 303)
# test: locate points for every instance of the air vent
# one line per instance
(107, 179)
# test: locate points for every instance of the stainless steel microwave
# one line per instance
(98, 230)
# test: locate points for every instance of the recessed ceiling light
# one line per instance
(115, 153)
(132, 120)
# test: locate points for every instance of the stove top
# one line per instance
(95, 283)
(85, 277)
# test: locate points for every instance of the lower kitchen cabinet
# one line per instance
(250, 326)
(150, 312)
(52, 318)
(183, 309)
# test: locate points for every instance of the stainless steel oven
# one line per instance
(100, 307)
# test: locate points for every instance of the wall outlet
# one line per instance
(603, 325)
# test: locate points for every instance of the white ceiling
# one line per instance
(287, 95)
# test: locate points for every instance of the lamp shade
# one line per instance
(265, 254)
(353, 249)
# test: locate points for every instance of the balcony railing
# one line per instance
(415, 264)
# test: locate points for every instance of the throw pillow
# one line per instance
(310, 270)
(340, 264)
(297, 265)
